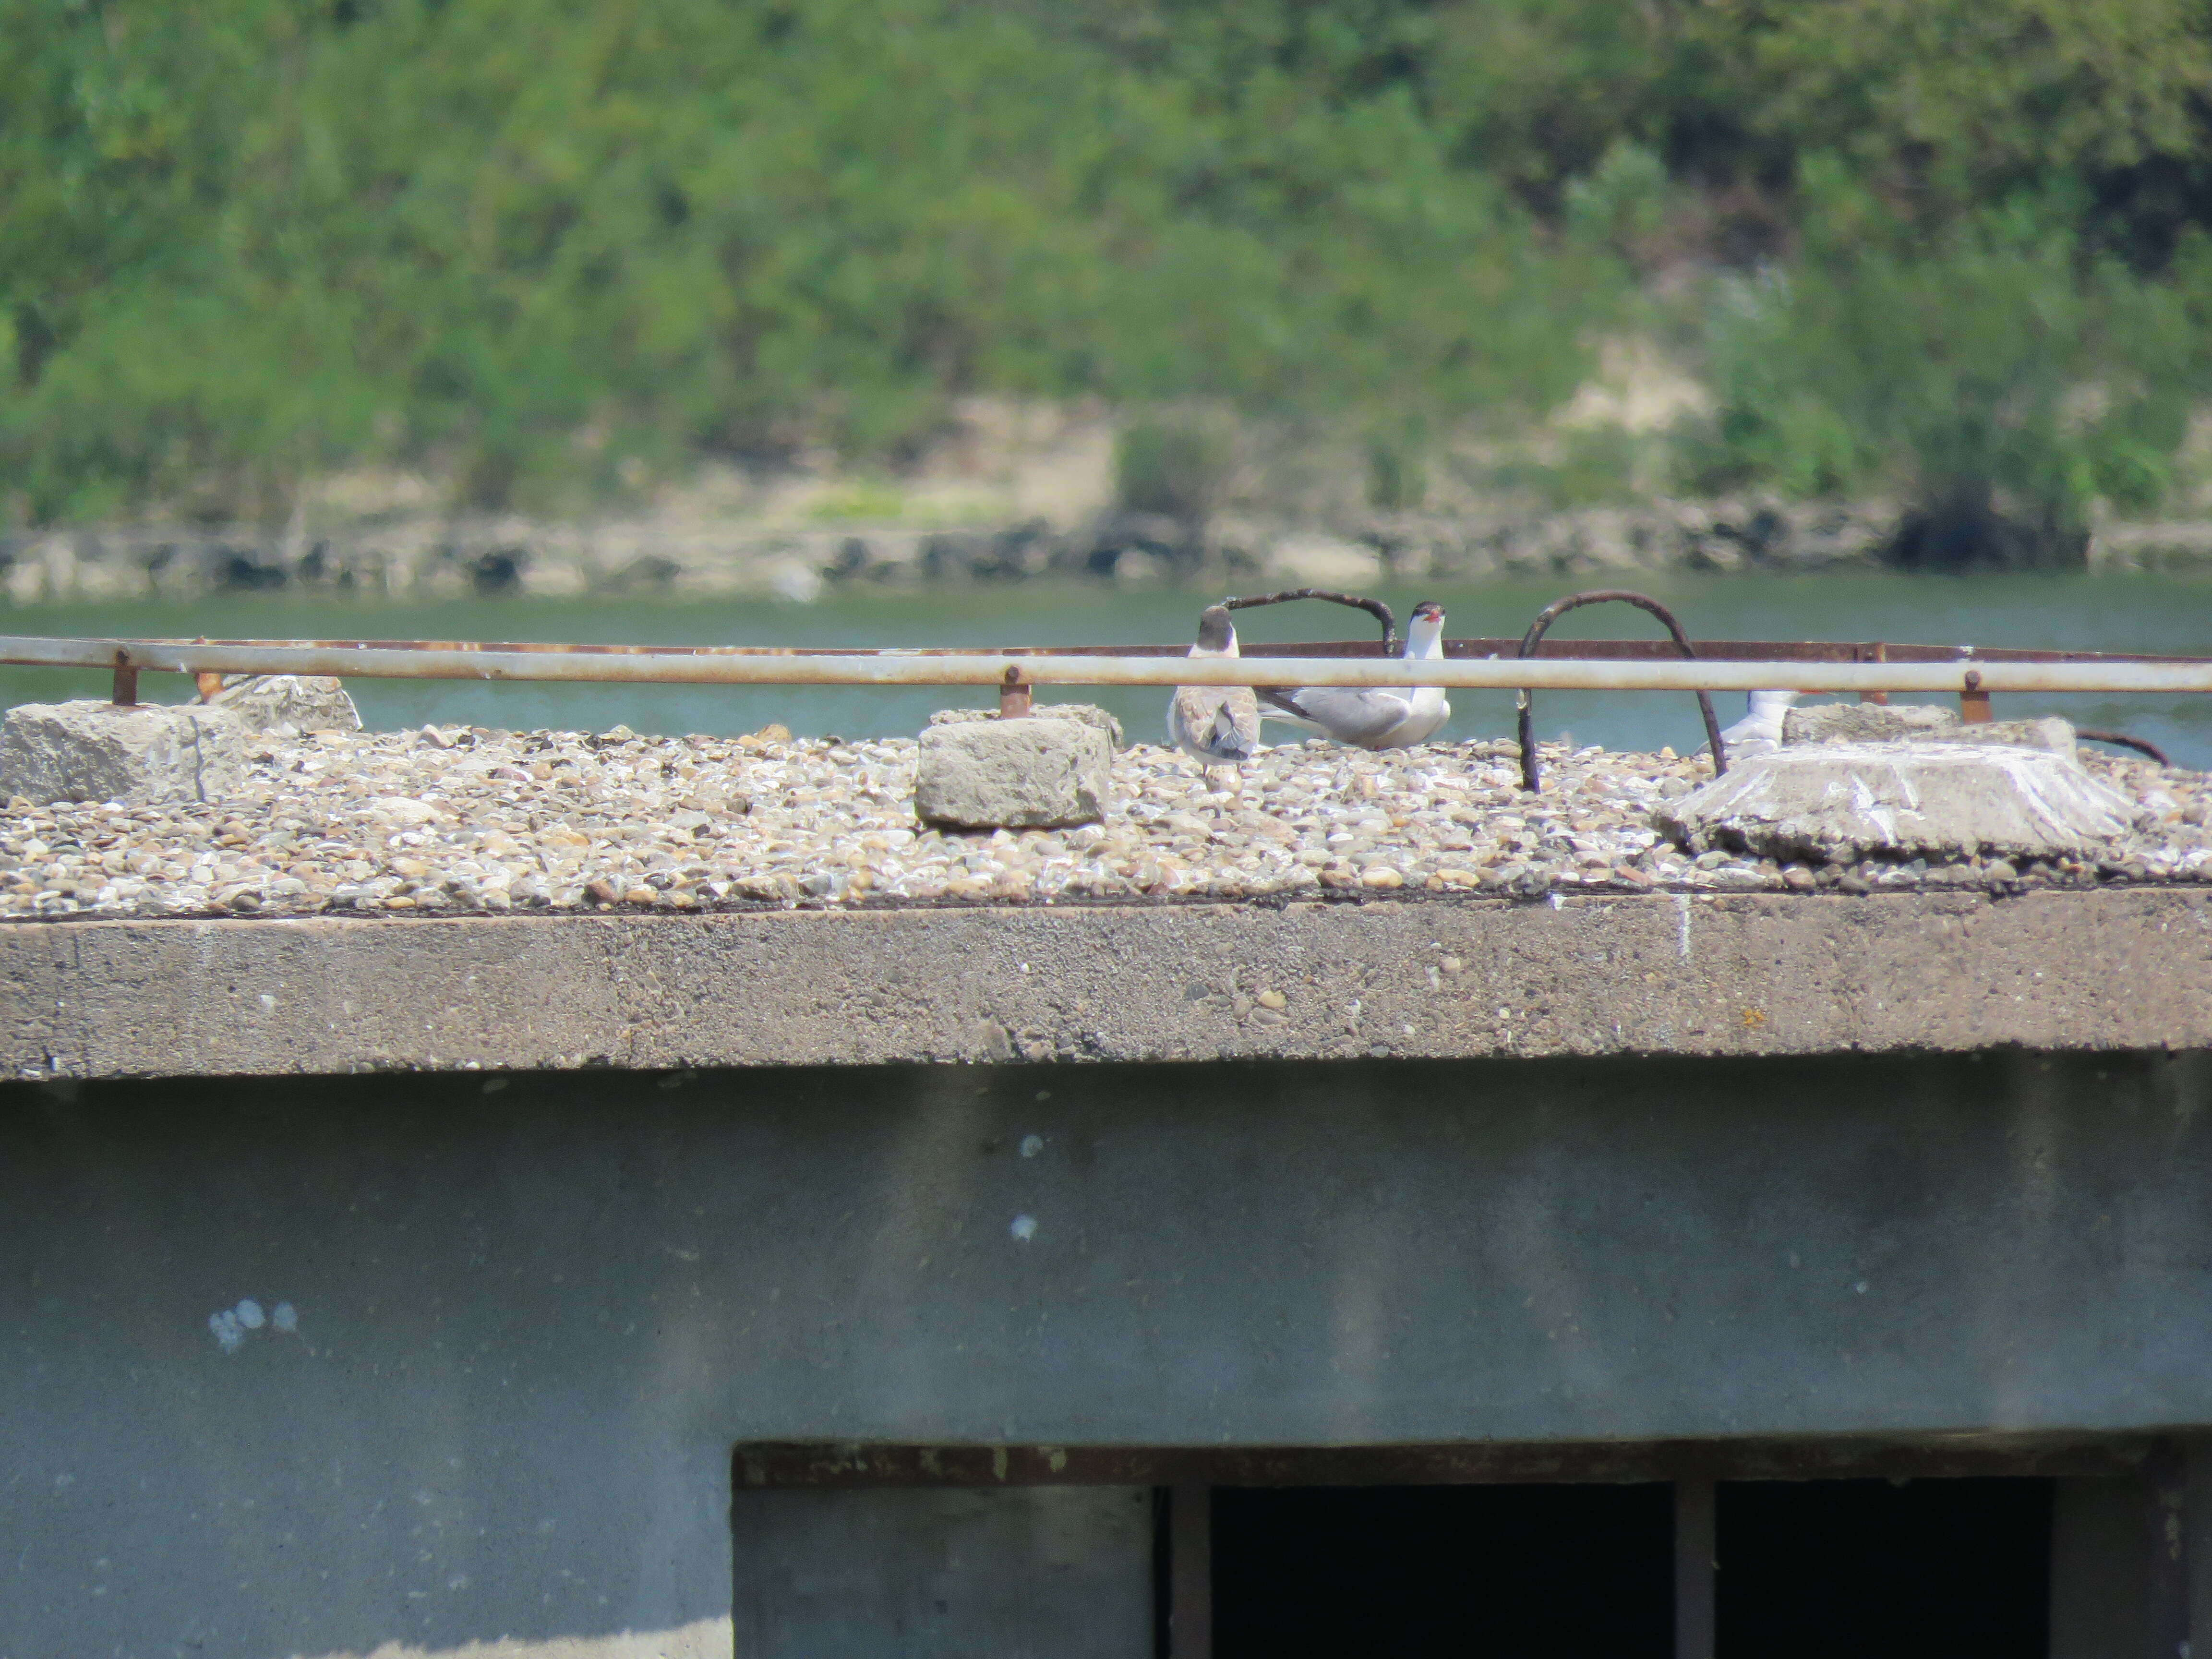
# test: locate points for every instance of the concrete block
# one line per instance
(288, 703)
(2049, 733)
(1844, 801)
(97, 751)
(1089, 713)
(1027, 774)
(1919, 724)
(1865, 722)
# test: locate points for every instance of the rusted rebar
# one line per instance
(1375, 608)
(1531, 775)
(2140, 745)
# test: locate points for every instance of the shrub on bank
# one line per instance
(557, 253)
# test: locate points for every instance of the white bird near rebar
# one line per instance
(1391, 719)
(1215, 725)
(1760, 729)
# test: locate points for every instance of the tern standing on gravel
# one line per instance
(1215, 725)
(1384, 719)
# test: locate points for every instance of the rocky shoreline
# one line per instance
(429, 559)
(462, 819)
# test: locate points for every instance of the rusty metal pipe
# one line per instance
(716, 666)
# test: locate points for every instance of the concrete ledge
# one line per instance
(1663, 974)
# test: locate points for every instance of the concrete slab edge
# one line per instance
(1665, 974)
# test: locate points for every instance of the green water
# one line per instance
(2102, 613)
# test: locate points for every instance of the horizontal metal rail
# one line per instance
(729, 666)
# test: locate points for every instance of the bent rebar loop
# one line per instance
(1531, 779)
(2142, 746)
(1374, 608)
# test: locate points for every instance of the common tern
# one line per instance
(1382, 719)
(1760, 729)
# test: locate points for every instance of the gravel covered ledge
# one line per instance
(1650, 974)
(458, 819)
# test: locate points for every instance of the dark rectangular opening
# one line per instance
(1909, 1570)
(1545, 1572)
(1807, 1549)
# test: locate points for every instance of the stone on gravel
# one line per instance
(1842, 802)
(288, 703)
(140, 753)
(1866, 722)
(1024, 774)
(1089, 713)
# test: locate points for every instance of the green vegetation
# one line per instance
(553, 249)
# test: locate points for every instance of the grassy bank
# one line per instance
(549, 255)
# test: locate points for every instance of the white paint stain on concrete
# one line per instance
(231, 1326)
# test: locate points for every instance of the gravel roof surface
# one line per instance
(459, 819)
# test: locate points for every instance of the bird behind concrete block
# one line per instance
(1215, 725)
(1760, 729)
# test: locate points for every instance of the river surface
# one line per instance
(2084, 612)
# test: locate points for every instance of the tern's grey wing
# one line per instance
(1220, 724)
(1236, 728)
(1345, 713)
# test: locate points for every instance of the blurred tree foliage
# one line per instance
(542, 245)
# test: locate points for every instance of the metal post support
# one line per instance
(1879, 651)
(1190, 1571)
(1973, 701)
(1696, 1561)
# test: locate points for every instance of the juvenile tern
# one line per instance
(1215, 725)
(1385, 719)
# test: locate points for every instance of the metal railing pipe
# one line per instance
(711, 666)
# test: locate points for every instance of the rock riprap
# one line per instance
(1840, 802)
(139, 753)
(452, 819)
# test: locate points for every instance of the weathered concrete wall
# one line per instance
(1666, 974)
(944, 1574)
(529, 1318)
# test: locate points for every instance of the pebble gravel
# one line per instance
(461, 820)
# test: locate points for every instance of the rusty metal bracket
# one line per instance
(1375, 608)
(1973, 701)
(1876, 652)
(1013, 695)
(125, 694)
(1531, 778)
